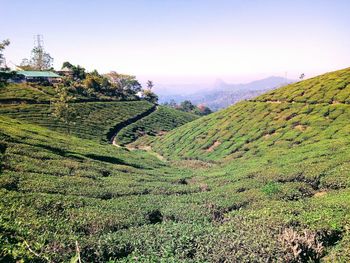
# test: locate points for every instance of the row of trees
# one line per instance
(188, 106)
(88, 84)
(112, 84)
(79, 81)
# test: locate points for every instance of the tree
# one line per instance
(130, 84)
(40, 60)
(5, 72)
(125, 86)
(78, 71)
(3, 45)
(61, 109)
(150, 84)
(92, 83)
(150, 96)
(173, 103)
(187, 106)
(302, 76)
(203, 110)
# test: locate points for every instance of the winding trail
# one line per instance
(114, 132)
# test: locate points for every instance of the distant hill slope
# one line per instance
(162, 120)
(296, 115)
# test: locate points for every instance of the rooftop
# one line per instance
(38, 74)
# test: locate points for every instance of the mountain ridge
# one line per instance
(221, 94)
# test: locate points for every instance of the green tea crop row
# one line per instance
(332, 87)
(163, 119)
(94, 119)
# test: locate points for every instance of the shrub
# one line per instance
(301, 247)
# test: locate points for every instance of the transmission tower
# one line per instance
(38, 41)
(38, 53)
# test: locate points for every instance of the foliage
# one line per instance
(111, 86)
(5, 72)
(187, 106)
(202, 110)
(39, 60)
(303, 247)
(3, 45)
(150, 96)
(27, 92)
(150, 84)
(61, 109)
(78, 71)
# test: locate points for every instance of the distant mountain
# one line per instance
(221, 94)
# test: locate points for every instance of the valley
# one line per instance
(265, 180)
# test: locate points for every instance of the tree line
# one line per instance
(78, 81)
(188, 106)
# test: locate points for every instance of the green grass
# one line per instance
(235, 184)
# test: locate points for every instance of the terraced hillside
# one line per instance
(26, 92)
(57, 188)
(301, 114)
(160, 121)
(291, 145)
(94, 120)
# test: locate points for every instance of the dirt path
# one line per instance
(114, 132)
(128, 122)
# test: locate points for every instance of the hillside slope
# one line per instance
(263, 181)
(293, 116)
(291, 145)
(164, 119)
(94, 119)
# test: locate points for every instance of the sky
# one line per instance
(184, 41)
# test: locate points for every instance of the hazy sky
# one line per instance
(182, 41)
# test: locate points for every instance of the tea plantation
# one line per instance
(266, 180)
(162, 120)
(94, 120)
